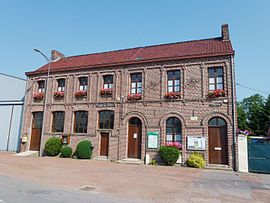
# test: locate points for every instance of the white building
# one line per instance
(12, 91)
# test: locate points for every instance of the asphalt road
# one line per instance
(53, 179)
(15, 190)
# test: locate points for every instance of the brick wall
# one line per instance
(153, 110)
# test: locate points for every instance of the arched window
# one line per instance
(173, 130)
(135, 121)
(217, 122)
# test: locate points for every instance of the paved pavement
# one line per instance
(103, 181)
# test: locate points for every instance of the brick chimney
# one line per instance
(56, 55)
(225, 32)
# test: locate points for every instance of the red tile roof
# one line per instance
(179, 50)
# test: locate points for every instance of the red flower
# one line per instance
(38, 96)
(59, 94)
(134, 96)
(173, 95)
(177, 145)
(216, 93)
(107, 91)
(81, 93)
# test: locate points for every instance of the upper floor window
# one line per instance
(107, 81)
(41, 86)
(61, 85)
(173, 81)
(215, 76)
(83, 83)
(80, 122)
(58, 121)
(136, 83)
(106, 119)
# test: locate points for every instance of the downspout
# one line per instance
(22, 119)
(233, 111)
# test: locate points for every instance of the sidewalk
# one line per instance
(139, 182)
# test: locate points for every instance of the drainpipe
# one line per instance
(10, 125)
(233, 110)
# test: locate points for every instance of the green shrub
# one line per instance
(153, 162)
(196, 160)
(53, 146)
(66, 152)
(169, 155)
(84, 150)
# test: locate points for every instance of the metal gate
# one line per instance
(259, 155)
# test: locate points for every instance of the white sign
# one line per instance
(195, 143)
(152, 140)
(135, 135)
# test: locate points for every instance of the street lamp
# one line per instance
(45, 96)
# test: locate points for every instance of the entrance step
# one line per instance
(102, 158)
(28, 153)
(219, 167)
(131, 161)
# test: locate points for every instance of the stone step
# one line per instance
(28, 153)
(218, 167)
(131, 161)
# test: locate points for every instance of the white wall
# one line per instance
(12, 92)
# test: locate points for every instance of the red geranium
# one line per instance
(173, 95)
(81, 93)
(59, 94)
(216, 93)
(177, 145)
(38, 96)
(134, 96)
(106, 91)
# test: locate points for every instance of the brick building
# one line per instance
(130, 102)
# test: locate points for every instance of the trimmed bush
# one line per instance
(66, 152)
(169, 155)
(196, 160)
(53, 146)
(84, 150)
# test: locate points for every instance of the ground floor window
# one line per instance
(106, 119)
(173, 131)
(58, 121)
(80, 122)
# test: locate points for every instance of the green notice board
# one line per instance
(152, 140)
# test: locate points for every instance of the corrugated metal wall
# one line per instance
(10, 121)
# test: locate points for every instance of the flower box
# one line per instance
(38, 96)
(80, 94)
(59, 95)
(216, 93)
(106, 92)
(177, 145)
(173, 95)
(134, 97)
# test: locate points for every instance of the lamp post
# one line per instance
(45, 97)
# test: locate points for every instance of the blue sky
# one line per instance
(85, 26)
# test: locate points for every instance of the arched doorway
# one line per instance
(134, 138)
(217, 141)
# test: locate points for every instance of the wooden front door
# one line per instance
(36, 131)
(134, 141)
(104, 144)
(218, 145)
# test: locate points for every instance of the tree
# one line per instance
(267, 112)
(242, 117)
(254, 108)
